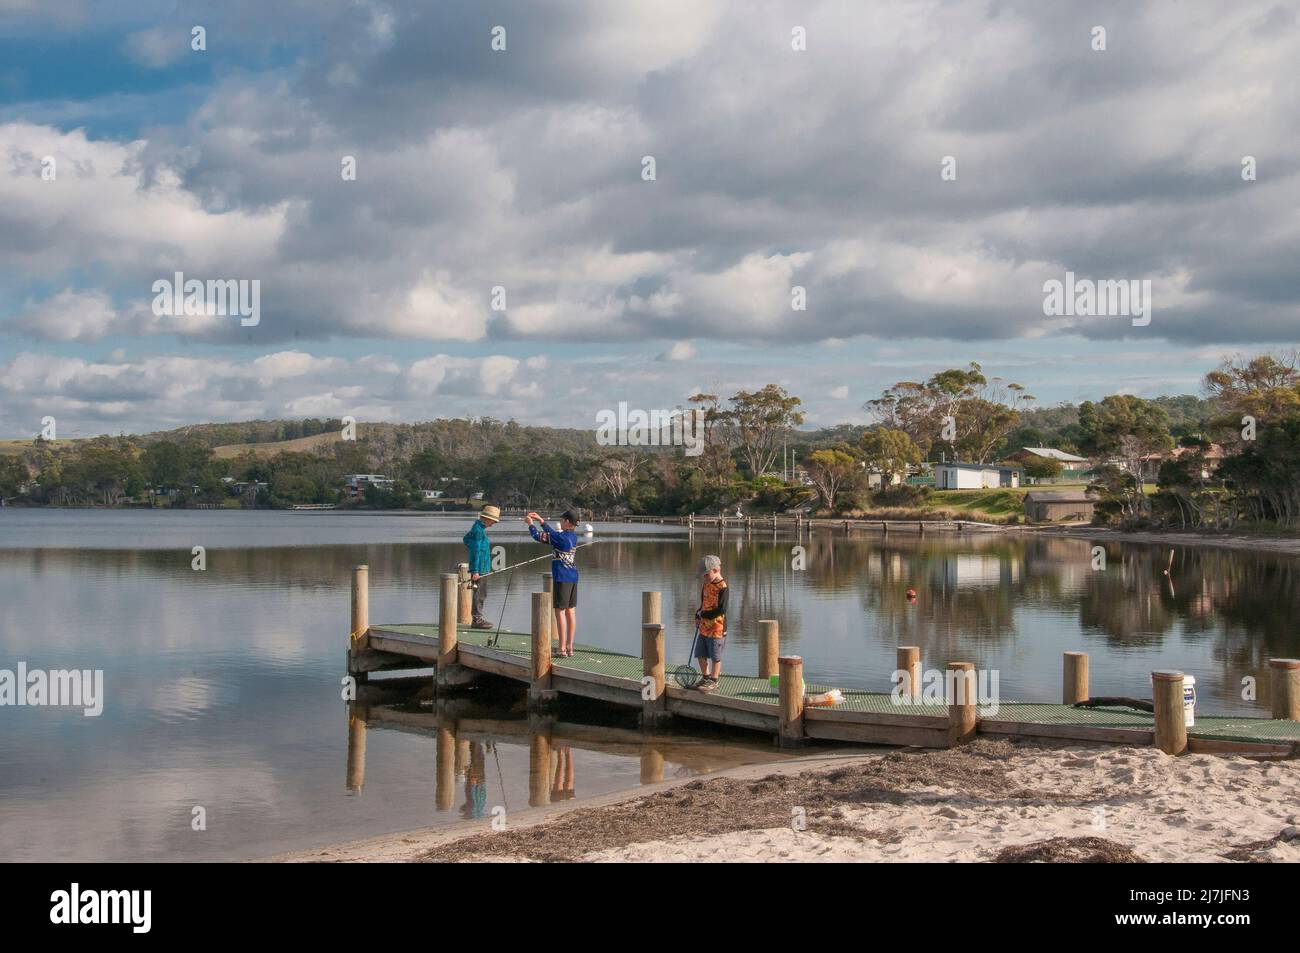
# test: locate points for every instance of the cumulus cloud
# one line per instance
(775, 168)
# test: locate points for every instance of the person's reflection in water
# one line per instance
(562, 783)
(475, 783)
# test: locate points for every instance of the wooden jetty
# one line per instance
(799, 524)
(459, 654)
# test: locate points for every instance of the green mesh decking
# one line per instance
(589, 658)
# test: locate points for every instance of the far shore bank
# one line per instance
(990, 801)
(1288, 545)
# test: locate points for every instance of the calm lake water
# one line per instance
(222, 687)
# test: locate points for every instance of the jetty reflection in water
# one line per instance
(474, 734)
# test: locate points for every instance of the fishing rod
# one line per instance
(535, 559)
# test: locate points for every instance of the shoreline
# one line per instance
(991, 801)
(1284, 545)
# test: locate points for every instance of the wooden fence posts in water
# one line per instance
(1167, 699)
(540, 692)
(1074, 678)
(962, 716)
(791, 733)
(1285, 688)
(548, 584)
(769, 647)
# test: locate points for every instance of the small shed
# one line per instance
(1042, 506)
(974, 476)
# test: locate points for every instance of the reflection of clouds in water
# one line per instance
(186, 697)
(144, 814)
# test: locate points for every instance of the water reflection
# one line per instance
(469, 731)
(222, 686)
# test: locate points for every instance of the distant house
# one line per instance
(1068, 460)
(432, 494)
(354, 484)
(1043, 506)
(1211, 457)
(974, 476)
(878, 479)
(1074, 468)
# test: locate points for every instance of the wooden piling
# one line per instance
(360, 603)
(962, 716)
(539, 691)
(465, 615)
(769, 647)
(1074, 678)
(791, 701)
(654, 709)
(539, 769)
(444, 791)
(548, 584)
(651, 607)
(356, 766)
(652, 766)
(1167, 699)
(1285, 688)
(447, 636)
(909, 661)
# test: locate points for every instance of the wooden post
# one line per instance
(652, 765)
(1074, 678)
(540, 691)
(548, 584)
(360, 603)
(444, 791)
(769, 647)
(466, 613)
(1167, 698)
(962, 717)
(909, 661)
(539, 769)
(447, 635)
(791, 701)
(1286, 688)
(651, 607)
(654, 709)
(356, 769)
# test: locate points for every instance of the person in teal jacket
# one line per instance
(480, 560)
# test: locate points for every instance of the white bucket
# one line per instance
(1189, 700)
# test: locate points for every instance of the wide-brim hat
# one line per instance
(490, 513)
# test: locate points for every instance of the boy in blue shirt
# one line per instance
(480, 559)
(564, 574)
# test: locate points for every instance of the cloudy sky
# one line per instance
(524, 169)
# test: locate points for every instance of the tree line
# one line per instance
(1155, 460)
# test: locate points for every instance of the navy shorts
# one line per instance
(564, 595)
(709, 649)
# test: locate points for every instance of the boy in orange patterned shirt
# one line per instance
(711, 618)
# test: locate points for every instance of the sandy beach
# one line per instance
(993, 801)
